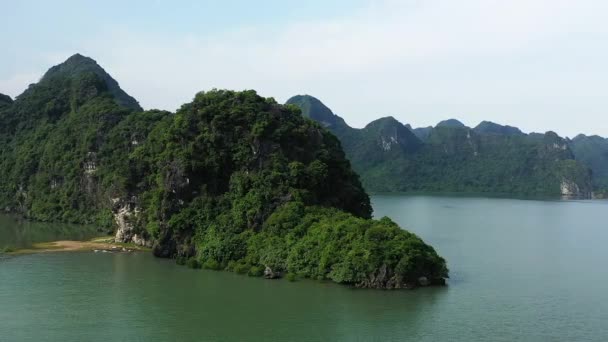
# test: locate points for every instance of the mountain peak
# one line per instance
(78, 64)
(5, 100)
(488, 127)
(389, 131)
(74, 65)
(314, 109)
(583, 137)
(78, 58)
(387, 121)
(452, 123)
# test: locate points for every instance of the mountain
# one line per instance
(451, 123)
(54, 128)
(317, 111)
(421, 132)
(5, 100)
(592, 151)
(392, 134)
(230, 181)
(452, 157)
(488, 127)
(78, 65)
(368, 148)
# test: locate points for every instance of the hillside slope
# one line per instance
(451, 157)
(592, 151)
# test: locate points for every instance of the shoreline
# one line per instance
(100, 244)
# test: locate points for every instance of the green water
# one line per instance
(521, 271)
(18, 233)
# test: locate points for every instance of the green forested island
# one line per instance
(452, 157)
(230, 181)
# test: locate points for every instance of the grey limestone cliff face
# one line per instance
(125, 216)
(570, 189)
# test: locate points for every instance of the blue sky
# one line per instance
(536, 64)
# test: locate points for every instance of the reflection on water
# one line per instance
(137, 297)
(19, 233)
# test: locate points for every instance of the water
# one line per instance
(18, 233)
(521, 271)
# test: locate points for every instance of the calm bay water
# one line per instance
(16, 232)
(521, 271)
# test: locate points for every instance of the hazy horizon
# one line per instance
(537, 65)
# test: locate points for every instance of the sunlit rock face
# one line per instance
(570, 189)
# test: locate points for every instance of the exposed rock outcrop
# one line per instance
(385, 278)
(125, 215)
(270, 274)
(570, 189)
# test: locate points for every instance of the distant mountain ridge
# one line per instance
(380, 139)
(488, 127)
(452, 157)
(421, 132)
(452, 123)
(314, 109)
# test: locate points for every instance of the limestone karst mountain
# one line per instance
(232, 181)
(452, 157)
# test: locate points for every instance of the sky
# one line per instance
(536, 64)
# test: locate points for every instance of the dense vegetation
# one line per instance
(5, 100)
(50, 137)
(451, 157)
(231, 181)
(592, 151)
